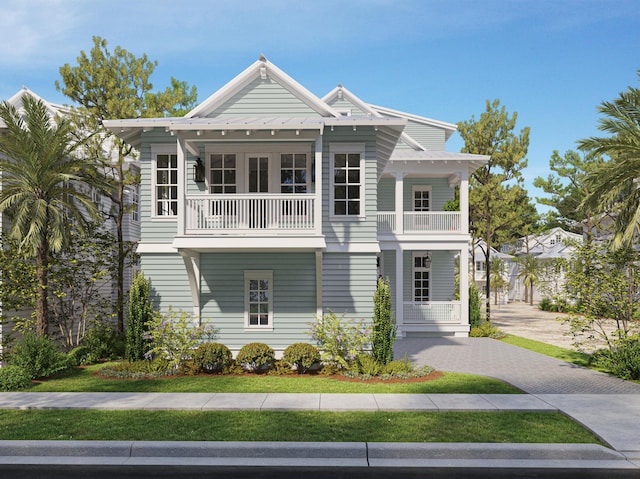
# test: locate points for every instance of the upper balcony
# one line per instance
(251, 214)
(422, 222)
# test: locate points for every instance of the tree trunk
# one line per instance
(487, 257)
(42, 305)
(119, 220)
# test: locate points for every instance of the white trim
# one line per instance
(347, 148)
(250, 275)
(353, 247)
(319, 310)
(155, 248)
(420, 188)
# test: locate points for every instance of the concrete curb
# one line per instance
(310, 455)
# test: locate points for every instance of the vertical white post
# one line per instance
(399, 200)
(464, 285)
(182, 190)
(319, 310)
(400, 291)
(464, 201)
(317, 212)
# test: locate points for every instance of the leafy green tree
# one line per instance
(498, 271)
(140, 313)
(613, 188)
(567, 188)
(495, 187)
(384, 327)
(117, 85)
(39, 170)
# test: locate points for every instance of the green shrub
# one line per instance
(546, 304)
(103, 341)
(14, 378)
(256, 357)
(142, 369)
(80, 356)
(38, 356)
(485, 330)
(384, 325)
(622, 361)
(474, 306)
(140, 312)
(212, 357)
(301, 356)
(398, 366)
(281, 368)
(340, 341)
(367, 364)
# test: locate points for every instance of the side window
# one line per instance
(258, 287)
(421, 198)
(347, 181)
(421, 276)
(166, 187)
(293, 173)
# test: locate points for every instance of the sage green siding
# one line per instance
(431, 137)
(264, 98)
(389, 273)
(440, 192)
(294, 296)
(442, 276)
(345, 105)
(169, 281)
(348, 283)
(337, 230)
(386, 194)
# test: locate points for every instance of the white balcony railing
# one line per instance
(420, 222)
(431, 312)
(247, 214)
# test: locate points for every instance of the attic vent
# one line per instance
(263, 73)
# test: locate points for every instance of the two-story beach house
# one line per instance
(265, 207)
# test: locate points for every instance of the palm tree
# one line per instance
(528, 269)
(39, 169)
(614, 186)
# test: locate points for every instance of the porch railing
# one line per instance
(432, 312)
(420, 222)
(259, 214)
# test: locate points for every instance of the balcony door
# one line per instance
(258, 178)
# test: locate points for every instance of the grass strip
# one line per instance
(85, 380)
(563, 354)
(494, 427)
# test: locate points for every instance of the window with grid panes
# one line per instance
(347, 184)
(421, 280)
(166, 185)
(293, 173)
(258, 292)
(222, 173)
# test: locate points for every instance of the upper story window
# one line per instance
(223, 173)
(347, 185)
(421, 198)
(134, 192)
(166, 184)
(481, 266)
(293, 173)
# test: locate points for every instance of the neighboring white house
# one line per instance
(266, 207)
(479, 268)
(552, 249)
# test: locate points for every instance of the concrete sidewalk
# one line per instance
(611, 417)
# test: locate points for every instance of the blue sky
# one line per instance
(552, 62)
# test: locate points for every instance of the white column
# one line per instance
(464, 285)
(319, 310)
(317, 213)
(192, 265)
(464, 201)
(400, 291)
(399, 200)
(182, 190)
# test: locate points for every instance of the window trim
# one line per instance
(427, 188)
(413, 275)
(156, 150)
(259, 275)
(337, 148)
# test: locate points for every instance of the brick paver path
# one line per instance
(529, 371)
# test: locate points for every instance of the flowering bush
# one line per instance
(173, 336)
(339, 341)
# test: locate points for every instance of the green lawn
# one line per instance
(567, 355)
(85, 380)
(507, 427)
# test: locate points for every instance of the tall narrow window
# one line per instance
(135, 202)
(223, 173)
(421, 276)
(348, 183)
(258, 299)
(166, 185)
(293, 173)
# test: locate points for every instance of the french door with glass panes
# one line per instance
(258, 182)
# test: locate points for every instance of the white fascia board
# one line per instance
(155, 248)
(243, 243)
(257, 69)
(449, 127)
(353, 247)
